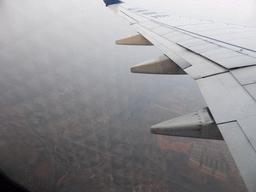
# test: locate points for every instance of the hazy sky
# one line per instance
(77, 34)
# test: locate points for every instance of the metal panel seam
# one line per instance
(243, 86)
(226, 122)
(177, 28)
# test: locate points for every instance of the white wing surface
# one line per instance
(221, 58)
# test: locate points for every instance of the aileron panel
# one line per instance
(242, 152)
(226, 98)
(246, 75)
(229, 58)
(251, 88)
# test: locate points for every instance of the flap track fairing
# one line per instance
(160, 65)
(137, 39)
(199, 124)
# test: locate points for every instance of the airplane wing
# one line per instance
(221, 58)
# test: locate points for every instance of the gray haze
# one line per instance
(73, 117)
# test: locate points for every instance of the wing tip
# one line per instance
(111, 2)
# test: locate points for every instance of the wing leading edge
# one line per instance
(221, 58)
